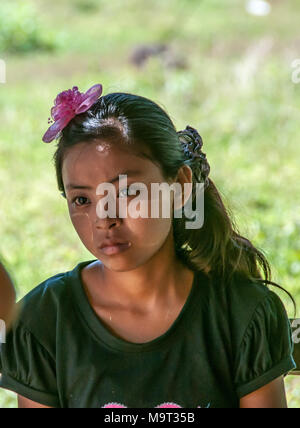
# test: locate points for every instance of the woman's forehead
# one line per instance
(91, 161)
(86, 154)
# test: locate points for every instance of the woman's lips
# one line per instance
(115, 249)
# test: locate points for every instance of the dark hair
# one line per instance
(217, 248)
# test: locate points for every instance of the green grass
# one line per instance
(236, 90)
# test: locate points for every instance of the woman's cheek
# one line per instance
(149, 221)
(83, 226)
(151, 232)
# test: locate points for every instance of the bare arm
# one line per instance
(7, 312)
(25, 403)
(270, 396)
(7, 296)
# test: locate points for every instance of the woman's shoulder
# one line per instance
(247, 293)
(55, 287)
(252, 306)
(238, 293)
(45, 292)
(40, 308)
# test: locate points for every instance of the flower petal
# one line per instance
(90, 97)
(96, 89)
(56, 128)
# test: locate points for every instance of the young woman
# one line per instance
(163, 316)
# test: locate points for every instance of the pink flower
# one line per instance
(67, 105)
(168, 406)
(114, 405)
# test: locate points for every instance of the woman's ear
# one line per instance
(185, 179)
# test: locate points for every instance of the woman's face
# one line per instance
(85, 167)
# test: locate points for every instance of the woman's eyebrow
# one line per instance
(76, 186)
(129, 172)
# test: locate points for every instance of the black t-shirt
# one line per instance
(227, 342)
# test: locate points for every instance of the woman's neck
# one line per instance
(163, 278)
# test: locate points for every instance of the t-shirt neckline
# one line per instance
(102, 333)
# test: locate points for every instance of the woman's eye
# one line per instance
(124, 192)
(129, 191)
(80, 199)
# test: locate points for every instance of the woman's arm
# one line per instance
(270, 396)
(7, 296)
(25, 403)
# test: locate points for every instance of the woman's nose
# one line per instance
(107, 223)
(107, 213)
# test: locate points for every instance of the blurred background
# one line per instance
(229, 68)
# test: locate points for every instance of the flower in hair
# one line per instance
(67, 105)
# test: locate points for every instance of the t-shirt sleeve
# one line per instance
(265, 352)
(27, 368)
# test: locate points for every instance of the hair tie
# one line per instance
(67, 105)
(192, 143)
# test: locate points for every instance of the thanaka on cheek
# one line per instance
(83, 226)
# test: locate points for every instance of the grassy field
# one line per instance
(225, 72)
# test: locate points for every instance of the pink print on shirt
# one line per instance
(160, 406)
